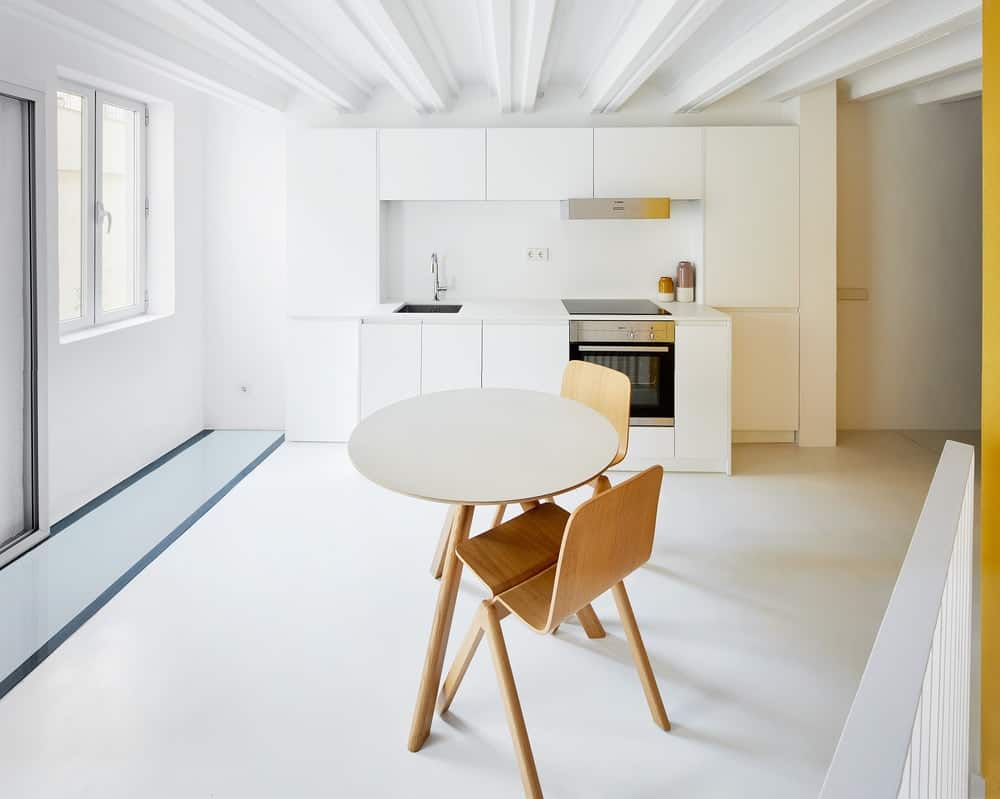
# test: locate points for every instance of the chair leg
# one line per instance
(640, 657)
(591, 624)
(437, 565)
(498, 519)
(462, 660)
(515, 718)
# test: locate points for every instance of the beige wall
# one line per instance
(909, 232)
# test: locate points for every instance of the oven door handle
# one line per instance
(622, 350)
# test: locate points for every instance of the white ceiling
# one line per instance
(432, 53)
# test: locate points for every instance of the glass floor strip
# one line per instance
(52, 589)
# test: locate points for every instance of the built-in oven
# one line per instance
(642, 350)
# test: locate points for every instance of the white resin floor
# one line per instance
(274, 650)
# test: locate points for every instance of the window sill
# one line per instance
(100, 330)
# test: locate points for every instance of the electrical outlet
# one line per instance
(538, 253)
(245, 388)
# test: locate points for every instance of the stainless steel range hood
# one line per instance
(610, 208)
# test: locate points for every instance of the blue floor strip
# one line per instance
(33, 572)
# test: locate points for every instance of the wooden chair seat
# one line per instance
(517, 550)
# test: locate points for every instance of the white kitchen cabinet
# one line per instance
(752, 217)
(765, 371)
(332, 220)
(525, 355)
(539, 163)
(451, 356)
(390, 363)
(321, 373)
(648, 446)
(702, 427)
(432, 164)
(649, 162)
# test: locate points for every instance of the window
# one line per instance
(101, 141)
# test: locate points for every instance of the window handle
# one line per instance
(103, 214)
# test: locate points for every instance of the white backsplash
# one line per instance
(483, 247)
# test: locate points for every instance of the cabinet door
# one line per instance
(321, 373)
(702, 429)
(390, 363)
(530, 356)
(752, 217)
(649, 162)
(332, 220)
(539, 163)
(765, 371)
(451, 356)
(438, 164)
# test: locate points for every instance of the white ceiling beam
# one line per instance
(950, 88)
(119, 33)
(406, 60)
(653, 33)
(279, 50)
(788, 31)
(495, 21)
(888, 32)
(956, 52)
(540, 14)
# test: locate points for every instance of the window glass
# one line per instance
(119, 195)
(72, 210)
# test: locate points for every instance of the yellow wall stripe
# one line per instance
(991, 399)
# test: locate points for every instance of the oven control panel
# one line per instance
(621, 331)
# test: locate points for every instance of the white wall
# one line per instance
(482, 250)
(909, 232)
(244, 275)
(118, 400)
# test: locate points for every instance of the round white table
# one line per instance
(477, 447)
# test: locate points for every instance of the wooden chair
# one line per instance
(547, 564)
(607, 391)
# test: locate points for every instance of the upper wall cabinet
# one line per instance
(649, 162)
(332, 222)
(432, 164)
(539, 163)
(752, 217)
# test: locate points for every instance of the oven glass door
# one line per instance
(649, 367)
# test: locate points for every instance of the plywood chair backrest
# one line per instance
(606, 539)
(607, 391)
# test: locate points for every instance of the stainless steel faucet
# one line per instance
(438, 288)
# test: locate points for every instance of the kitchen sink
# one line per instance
(435, 308)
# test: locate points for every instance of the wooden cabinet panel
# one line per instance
(451, 356)
(649, 162)
(529, 356)
(752, 217)
(432, 164)
(765, 371)
(390, 363)
(539, 163)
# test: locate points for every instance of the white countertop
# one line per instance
(523, 310)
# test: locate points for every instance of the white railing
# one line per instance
(907, 733)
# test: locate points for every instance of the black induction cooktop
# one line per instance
(615, 307)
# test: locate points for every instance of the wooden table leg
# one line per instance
(437, 565)
(423, 714)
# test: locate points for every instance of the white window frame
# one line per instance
(92, 313)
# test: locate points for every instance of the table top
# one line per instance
(483, 446)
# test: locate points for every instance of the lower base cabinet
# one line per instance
(321, 376)
(390, 364)
(525, 355)
(451, 356)
(702, 398)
